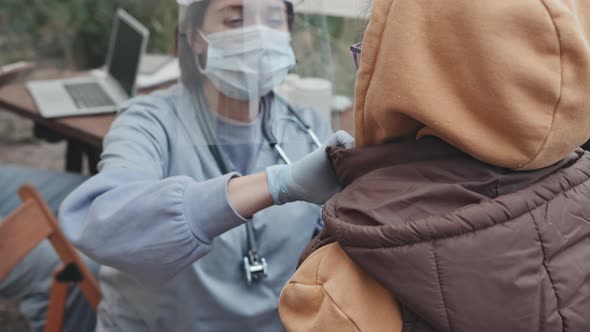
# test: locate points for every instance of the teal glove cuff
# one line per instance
(277, 183)
(310, 179)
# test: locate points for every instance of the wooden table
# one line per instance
(83, 134)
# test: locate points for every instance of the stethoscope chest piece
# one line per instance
(256, 269)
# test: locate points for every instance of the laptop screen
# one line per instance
(126, 51)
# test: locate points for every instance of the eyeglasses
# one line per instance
(356, 53)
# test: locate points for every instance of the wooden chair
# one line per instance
(23, 230)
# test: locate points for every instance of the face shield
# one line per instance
(243, 59)
(322, 34)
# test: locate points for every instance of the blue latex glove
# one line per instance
(310, 179)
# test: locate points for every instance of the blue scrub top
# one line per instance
(158, 215)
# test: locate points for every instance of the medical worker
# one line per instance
(189, 212)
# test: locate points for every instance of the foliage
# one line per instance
(79, 30)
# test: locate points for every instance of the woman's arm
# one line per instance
(249, 194)
(131, 217)
(149, 228)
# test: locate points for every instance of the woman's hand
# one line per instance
(310, 179)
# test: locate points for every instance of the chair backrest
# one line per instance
(26, 227)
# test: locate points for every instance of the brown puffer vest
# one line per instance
(464, 246)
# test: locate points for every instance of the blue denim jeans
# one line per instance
(31, 279)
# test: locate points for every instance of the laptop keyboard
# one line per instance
(88, 95)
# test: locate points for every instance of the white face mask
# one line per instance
(247, 63)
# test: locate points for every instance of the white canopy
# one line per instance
(342, 8)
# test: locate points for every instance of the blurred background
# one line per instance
(73, 34)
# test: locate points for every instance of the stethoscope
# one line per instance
(255, 267)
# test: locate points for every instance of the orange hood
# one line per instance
(506, 81)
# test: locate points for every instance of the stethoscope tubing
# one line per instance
(266, 103)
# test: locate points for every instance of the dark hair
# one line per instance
(191, 76)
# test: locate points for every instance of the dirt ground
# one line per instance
(19, 147)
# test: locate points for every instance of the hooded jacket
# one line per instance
(505, 81)
(466, 199)
(463, 246)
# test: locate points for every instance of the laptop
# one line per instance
(93, 95)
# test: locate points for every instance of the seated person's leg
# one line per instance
(30, 281)
(53, 186)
